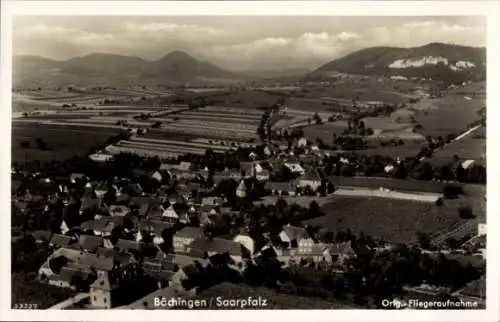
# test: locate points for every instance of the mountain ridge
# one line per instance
(438, 61)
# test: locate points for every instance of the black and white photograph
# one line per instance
(247, 162)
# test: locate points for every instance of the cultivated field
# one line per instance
(391, 220)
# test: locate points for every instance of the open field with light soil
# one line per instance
(390, 220)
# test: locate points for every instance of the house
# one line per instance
(295, 168)
(124, 285)
(302, 143)
(101, 227)
(143, 204)
(290, 235)
(481, 229)
(162, 269)
(59, 240)
(42, 236)
(67, 275)
(155, 211)
(340, 252)
(311, 178)
(63, 257)
(155, 227)
(118, 210)
(125, 245)
(101, 189)
(247, 242)
(241, 190)
(90, 243)
(182, 238)
(213, 246)
(280, 188)
(122, 258)
(90, 204)
(170, 214)
(76, 176)
(211, 201)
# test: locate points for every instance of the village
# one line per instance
(135, 228)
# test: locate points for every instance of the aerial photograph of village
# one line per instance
(248, 162)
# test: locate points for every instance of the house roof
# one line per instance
(185, 260)
(44, 235)
(341, 248)
(61, 240)
(67, 273)
(156, 226)
(280, 186)
(120, 257)
(155, 211)
(85, 259)
(189, 232)
(156, 264)
(311, 174)
(90, 203)
(217, 245)
(128, 244)
(90, 242)
(95, 224)
(193, 186)
(137, 200)
(294, 233)
(117, 210)
(185, 166)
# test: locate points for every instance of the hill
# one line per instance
(276, 73)
(118, 70)
(438, 61)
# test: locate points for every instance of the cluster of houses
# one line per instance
(112, 247)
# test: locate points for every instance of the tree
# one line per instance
(314, 208)
(41, 144)
(466, 212)
(424, 240)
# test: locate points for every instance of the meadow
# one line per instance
(394, 221)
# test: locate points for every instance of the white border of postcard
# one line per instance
(237, 8)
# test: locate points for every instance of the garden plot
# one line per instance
(222, 118)
(152, 151)
(190, 132)
(211, 124)
(234, 110)
(211, 142)
(167, 142)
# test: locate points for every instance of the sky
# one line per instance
(237, 42)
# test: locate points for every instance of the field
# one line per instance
(450, 114)
(472, 147)
(393, 184)
(325, 131)
(390, 220)
(63, 141)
